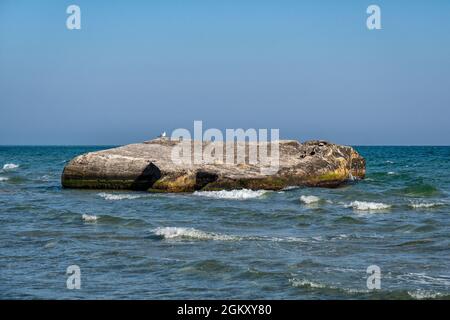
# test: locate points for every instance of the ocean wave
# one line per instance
(89, 218)
(118, 196)
(391, 173)
(195, 234)
(302, 283)
(10, 166)
(241, 194)
(401, 294)
(368, 206)
(308, 284)
(290, 188)
(426, 294)
(425, 205)
(420, 189)
(191, 233)
(309, 199)
(4, 179)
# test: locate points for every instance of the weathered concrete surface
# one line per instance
(149, 166)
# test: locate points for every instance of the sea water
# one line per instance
(298, 243)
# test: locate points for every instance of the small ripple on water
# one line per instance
(425, 228)
(348, 220)
(114, 220)
(207, 266)
(420, 189)
(414, 243)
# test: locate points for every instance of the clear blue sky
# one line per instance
(309, 68)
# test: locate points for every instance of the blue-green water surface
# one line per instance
(301, 243)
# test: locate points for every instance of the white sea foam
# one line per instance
(425, 294)
(3, 179)
(10, 166)
(340, 236)
(424, 205)
(308, 284)
(309, 199)
(118, 196)
(389, 161)
(45, 177)
(368, 206)
(51, 244)
(391, 172)
(89, 218)
(241, 194)
(191, 233)
(290, 188)
(195, 234)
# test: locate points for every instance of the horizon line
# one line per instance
(117, 145)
